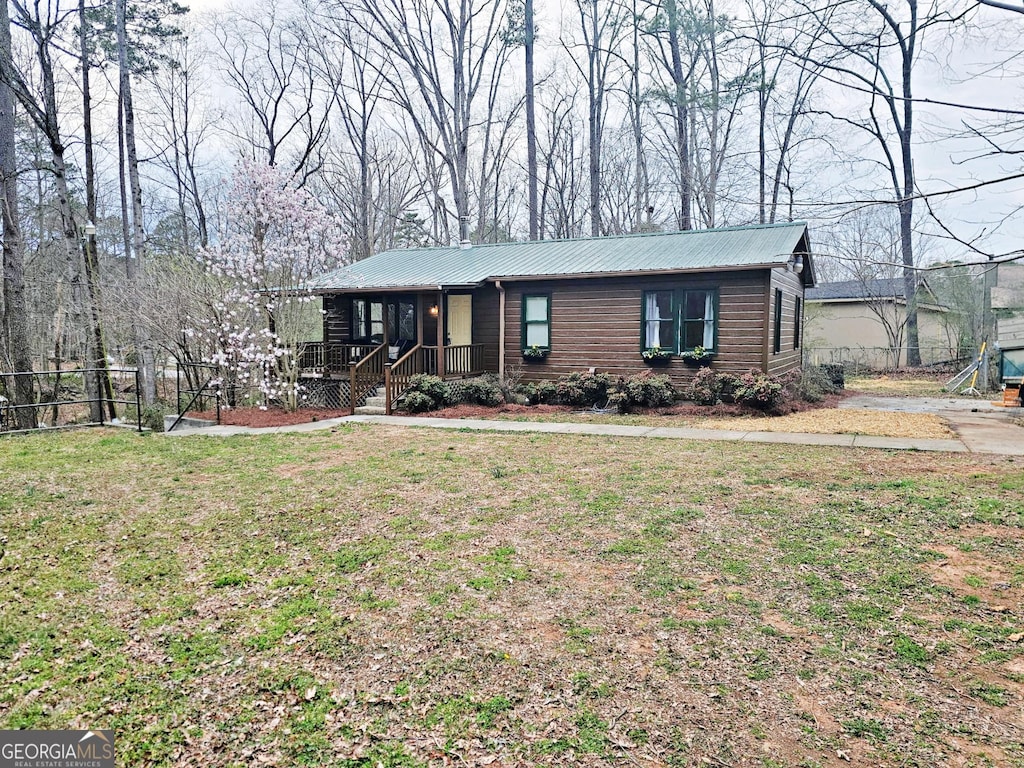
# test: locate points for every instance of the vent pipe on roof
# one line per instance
(465, 245)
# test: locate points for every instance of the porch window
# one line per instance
(402, 320)
(367, 320)
(679, 320)
(659, 320)
(537, 321)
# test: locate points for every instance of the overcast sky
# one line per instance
(981, 68)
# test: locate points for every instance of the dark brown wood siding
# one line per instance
(336, 320)
(596, 323)
(788, 357)
(485, 324)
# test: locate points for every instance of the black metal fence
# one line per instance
(73, 397)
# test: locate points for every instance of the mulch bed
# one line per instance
(269, 417)
(276, 417)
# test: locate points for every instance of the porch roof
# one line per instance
(770, 245)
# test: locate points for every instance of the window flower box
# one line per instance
(656, 356)
(698, 356)
(535, 354)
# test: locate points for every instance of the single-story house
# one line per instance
(554, 307)
(864, 322)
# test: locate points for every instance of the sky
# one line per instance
(982, 69)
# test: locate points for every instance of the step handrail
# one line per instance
(366, 375)
(398, 374)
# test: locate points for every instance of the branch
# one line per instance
(1002, 6)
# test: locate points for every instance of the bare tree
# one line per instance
(15, 349)
(873, 49)
(266, 56)
(601, 26)
(43, 24)
(441, 56)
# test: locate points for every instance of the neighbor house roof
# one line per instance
(881, 288)
(857, 289)
(730, 248)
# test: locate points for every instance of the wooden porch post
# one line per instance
(440, 334)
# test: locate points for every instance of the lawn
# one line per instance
(376, 596)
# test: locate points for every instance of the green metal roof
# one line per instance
(449, 267)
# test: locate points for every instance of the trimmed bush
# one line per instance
(483, 390)
(426, 393)
(538, 393)
(759, 390)
(584, 389)
(704, 388)
(727, 386)
(644, 390)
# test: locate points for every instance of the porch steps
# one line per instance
(374, 405)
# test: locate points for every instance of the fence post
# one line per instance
(100, 399)
(138, 402)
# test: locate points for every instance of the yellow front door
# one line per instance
(460, 319)
(460, 332)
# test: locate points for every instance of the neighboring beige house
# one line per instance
(1008, 305)
(864, 322)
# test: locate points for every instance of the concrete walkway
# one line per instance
(991, 434)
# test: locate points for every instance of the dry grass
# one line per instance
(391, 597)
(834, 421)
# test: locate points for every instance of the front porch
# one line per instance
(357, 370)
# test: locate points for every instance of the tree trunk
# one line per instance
(531, 126)
(144, 344)
(92, 268)
(15, 318)
(680, 111)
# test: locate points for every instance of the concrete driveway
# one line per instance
(981, 426)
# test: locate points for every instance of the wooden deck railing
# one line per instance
(328, 358)
(459, 360)
(398, 374)
(334, 358)
(366, 374)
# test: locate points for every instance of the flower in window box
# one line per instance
(535, 353)
(697, 356)
(656, 355)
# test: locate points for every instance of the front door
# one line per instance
(460, 332)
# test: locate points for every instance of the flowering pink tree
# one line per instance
(276, 237)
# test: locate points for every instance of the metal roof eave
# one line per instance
(639, 272)
(425, 288)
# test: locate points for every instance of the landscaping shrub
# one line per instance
(584, 389)
(426, 393)
(759, 390)
(539, 393)
(836, 375)
(727, 386)
(644, 390)
(483, 390)
(704, 388)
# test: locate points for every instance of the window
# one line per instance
(797, 316)
(698, 319)
(680, 320)
(367, 320)
(777, 345)
(659, 320)
(537, 321)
